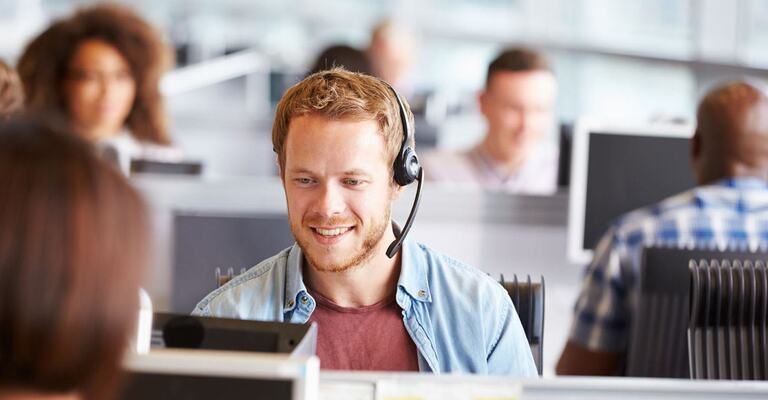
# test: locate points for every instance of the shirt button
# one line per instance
(422, 294)
(290, 303)
(304, 300)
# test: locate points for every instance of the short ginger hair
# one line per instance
(338, 94)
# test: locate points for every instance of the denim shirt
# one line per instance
(461, 320)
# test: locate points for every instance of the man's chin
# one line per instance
(326, 264)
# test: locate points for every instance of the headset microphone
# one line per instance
(395, 246)
(406, 169)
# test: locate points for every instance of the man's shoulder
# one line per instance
(670, 207)
(456, 275)
(448, 165)
(231, 294)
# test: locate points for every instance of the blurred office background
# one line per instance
(626, 62)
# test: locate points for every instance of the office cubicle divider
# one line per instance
(205, 243)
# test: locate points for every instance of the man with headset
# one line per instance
(345, 151)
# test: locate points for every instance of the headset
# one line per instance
(406, 169)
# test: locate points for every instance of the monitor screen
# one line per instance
(143, 166)
(616, 171)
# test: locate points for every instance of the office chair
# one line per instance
(528, 298)
(727, 326)
(660, 332)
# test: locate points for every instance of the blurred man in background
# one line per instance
(518, 104)
(392, 52)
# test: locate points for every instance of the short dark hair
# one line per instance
(72, 250)
(348, 57)
(518, 59)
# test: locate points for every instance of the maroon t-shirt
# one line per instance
(370, 338)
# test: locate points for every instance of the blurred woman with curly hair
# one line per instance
(99, 69)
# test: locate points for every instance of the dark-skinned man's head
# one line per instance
(731, 138)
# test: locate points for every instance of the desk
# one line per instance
(383, 386)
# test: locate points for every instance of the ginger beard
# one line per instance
(315, 253)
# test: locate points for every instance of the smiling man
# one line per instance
(515, 156)
(337, 135)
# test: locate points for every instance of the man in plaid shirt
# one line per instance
(729, 209)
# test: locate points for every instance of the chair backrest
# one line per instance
(727, 325)
(528, 298)
(658, 343)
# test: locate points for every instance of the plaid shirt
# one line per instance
(732, 213)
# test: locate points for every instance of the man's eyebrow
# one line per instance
(299, 171)
(356, 172)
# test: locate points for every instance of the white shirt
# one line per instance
(537, 175)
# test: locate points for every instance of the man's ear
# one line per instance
(696, 154)
(280, 171)
(397, 190)
(696, 147)
(482, 101)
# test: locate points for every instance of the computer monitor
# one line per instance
(564, 154)
(618, 169)
(195, 332)
(200, 374)
(142, 166)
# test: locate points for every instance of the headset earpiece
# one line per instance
(406, 167)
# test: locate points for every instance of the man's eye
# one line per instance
(304, 181)
(352, 182)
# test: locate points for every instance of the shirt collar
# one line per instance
(294, 280)
(413, 273)
(744, 182)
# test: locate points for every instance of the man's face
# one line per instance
(519, 107)
(339, 190)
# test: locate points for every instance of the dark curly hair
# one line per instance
(44, 63)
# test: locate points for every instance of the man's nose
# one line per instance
(330, 201)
